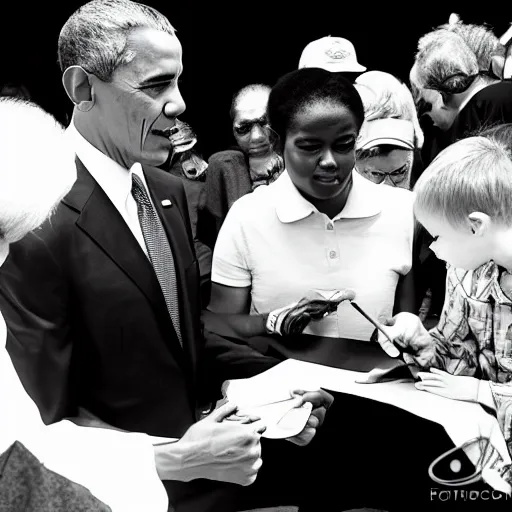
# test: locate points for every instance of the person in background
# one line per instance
(253, 162)
(388, 149)
(456, 81)
(334, 54)
(186, 162)
(63, 466)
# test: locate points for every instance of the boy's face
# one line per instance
(458, 246)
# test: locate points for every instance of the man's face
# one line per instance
(141, 101)
(250, 125)
(433, 106)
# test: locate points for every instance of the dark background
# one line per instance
(226, 47)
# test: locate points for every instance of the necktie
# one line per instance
(159, 250)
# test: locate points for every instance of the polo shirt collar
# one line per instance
(364, 200)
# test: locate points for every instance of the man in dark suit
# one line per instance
(102, 302)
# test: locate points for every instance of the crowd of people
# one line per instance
(135, 272)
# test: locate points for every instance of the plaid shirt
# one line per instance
(477, 317)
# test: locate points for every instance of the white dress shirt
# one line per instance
(115, 180)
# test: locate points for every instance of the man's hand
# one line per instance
(228, 451)
(321, 401)
(456, 387)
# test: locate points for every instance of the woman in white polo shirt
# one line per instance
(320, 227)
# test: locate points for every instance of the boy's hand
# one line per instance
(406, 331)
(456, 387)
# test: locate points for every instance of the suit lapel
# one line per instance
(102, 222)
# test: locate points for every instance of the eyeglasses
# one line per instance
(396, 177)
(245, 127)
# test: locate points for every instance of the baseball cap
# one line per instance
(395, 132)
(331, 53)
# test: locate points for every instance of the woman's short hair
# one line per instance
(471, 175)
(95, 36)
(37, 168)
(301, 88)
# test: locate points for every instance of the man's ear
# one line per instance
(479, 223)
(77, 86)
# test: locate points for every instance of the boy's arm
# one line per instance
(450, 345)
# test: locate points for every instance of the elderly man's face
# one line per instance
(141, 101)
(250, 125)
(434, 107)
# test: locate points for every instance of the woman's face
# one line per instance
(319, 150)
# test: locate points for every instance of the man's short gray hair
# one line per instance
(450, 57)
(95, 35)
(37, 167)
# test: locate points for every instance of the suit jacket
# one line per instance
(88, 325)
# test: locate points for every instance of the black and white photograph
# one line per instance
(255, 257)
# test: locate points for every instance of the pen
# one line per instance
(414, 372)
(372, 321)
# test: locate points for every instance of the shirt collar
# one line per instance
(114, 179)
(483, 282)
(364, 200)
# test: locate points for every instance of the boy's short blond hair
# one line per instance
(471, 175)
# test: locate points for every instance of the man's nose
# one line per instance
(175, 105)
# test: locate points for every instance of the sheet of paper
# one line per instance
(267, 387)
(462, 421)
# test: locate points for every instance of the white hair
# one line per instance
(384, 96)
(449, 57)
(37, 167)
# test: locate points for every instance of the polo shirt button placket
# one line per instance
(330, 227)
(332, 254)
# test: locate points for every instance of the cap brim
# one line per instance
(337, 67)
(400, 143)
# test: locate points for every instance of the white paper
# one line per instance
(270, 398)
(463, 421)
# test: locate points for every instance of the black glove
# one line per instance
(294, 318)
